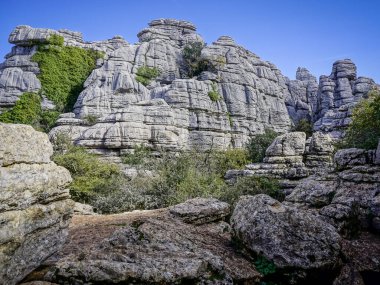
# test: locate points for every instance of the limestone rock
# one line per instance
(200, 210)
(346, 158)
(34, 203)
(290, 144)
(285, 235)
(159, 249)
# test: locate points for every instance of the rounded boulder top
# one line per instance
(173, 22)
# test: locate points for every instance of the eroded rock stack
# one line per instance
(337, 95)
(35, 208)
(291, 158)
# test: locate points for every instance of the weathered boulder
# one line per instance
(285, 235)
(147, 247)
(35, 208)
(201, 210)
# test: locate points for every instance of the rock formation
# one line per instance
(34, 204)
(291, 158)
(337, 95)
(152, 247)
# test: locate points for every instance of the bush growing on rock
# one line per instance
(194, 64)
(305, 126)
(364, 130)
(258, 144)
(145, 74)
(214, 94)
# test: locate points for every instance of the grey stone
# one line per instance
(346, 158)
(287, 236)
(201, 210)
(35, 208)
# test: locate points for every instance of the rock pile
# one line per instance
(35, 208)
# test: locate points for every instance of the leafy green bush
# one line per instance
(252, 185)
(305, 126)
(264, 266)
(194, 64)
(27, 110)
(364, 130)
(137, 157)
(214, 94)
(56, 40)
(63, 71)
(90, 119)
(145, 74)
(90, 175)
(258, 144)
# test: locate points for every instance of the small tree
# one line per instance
(258, 144)
(192, 58)
(305, 126)
(364, 130)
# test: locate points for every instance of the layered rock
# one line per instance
(291, 158)
(301, 103)
(348, 198)
(151, 247)
(285, 235)
(35, 208)
(337, 96)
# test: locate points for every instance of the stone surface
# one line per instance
(201, 210)
(35, 208)
(149, 247)
(336, 97)
(285, 235)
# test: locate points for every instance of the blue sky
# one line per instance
(312, 34)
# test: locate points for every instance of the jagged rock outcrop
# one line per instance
(291, 158)
(174, 111)
(347, 198)
(337, 95)
(285, 235)
(35, 208)
(150, 247)
(302, 101)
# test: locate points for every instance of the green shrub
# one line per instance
(194, 64)
(214, 94)
(252, 185)
(230, 120)
(364, 130)
(305, 126)
(145, 74)
(56, 40)
(27, 110)
(258, 144)
(264, 266)
(91, 176)
(90, 119)
(63, 71)
(138, 156)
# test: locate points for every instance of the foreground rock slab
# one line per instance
(147, 247)
(35, 208)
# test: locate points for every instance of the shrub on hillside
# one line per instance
(145, 74)
(364, 130)
(258, 144)
(214, 94)
(305, 126)
(252, 185)
(194, 64)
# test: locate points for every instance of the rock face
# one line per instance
(34, 204)
(348, 198)
(289, 237)
(337, 95)
(290, 158)
(174, 111)
(151, 247)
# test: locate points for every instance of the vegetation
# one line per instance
(27, 110)
(90, 119)
(145, 74)
(264, 266)
(364, 130)
(91, 176)
(192, 58)
(138, 156)
(214, 94)
(305, 126)
(258, 144)
(63, 71)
